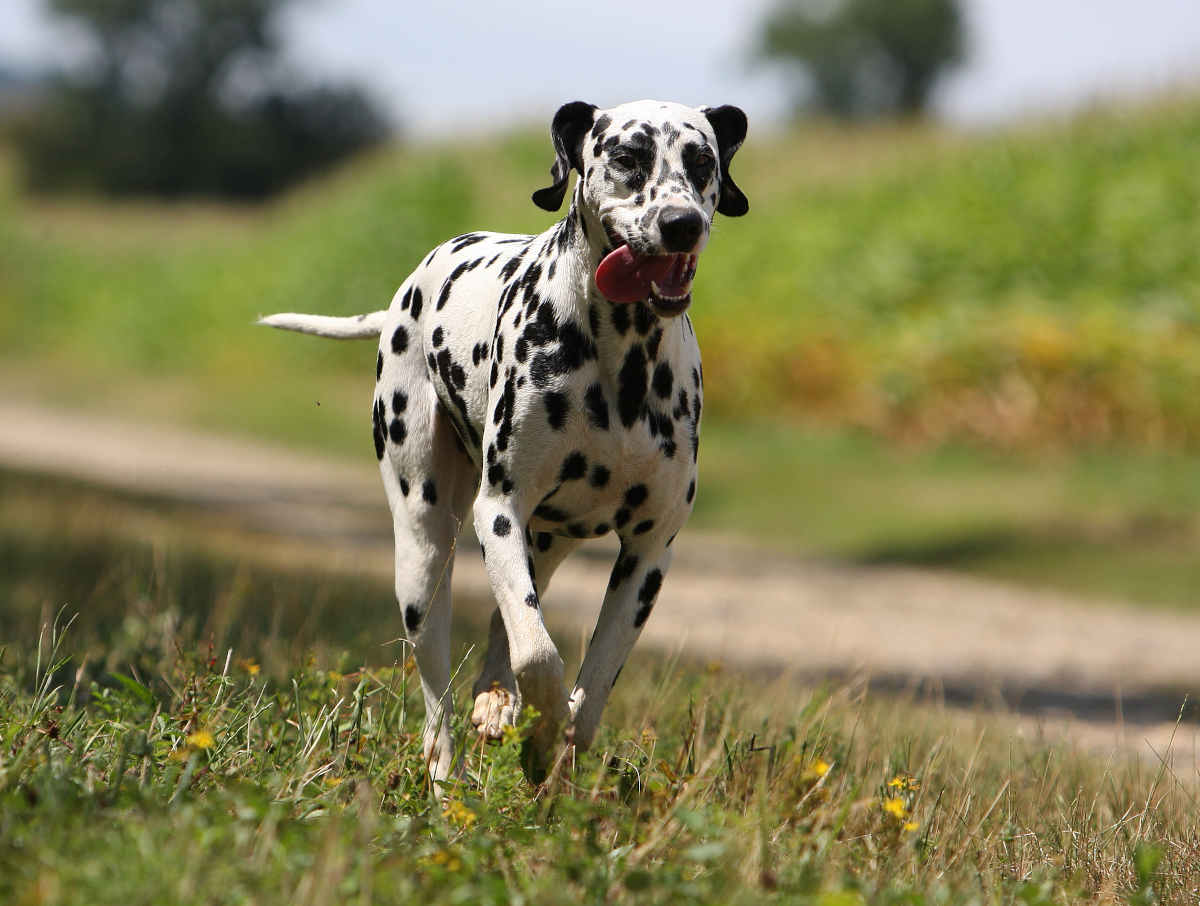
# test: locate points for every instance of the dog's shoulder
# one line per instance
(484, 250)
(465, 267)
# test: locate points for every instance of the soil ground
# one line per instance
(1104, 673)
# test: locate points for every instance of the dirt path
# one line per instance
(1107, 672)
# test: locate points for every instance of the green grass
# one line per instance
(198, 734)
(1103, 523)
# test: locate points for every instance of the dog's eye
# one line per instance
(704, 161)
(625, 160)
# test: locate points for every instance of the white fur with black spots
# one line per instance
(551, 386)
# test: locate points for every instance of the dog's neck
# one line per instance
(593, 237)
(581, 242)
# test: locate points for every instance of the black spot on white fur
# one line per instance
(646, 595)
(412, 617)
(399, 340)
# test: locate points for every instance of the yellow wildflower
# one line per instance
(815, 771)
(446, 858)
(910, 826)
(458, 812)
(904, 782)
(895, 808)
(201, 739)
(249, 665)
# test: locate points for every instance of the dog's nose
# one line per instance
(680, 228)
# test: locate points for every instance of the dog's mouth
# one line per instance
(665, 281)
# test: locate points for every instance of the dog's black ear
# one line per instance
(729, 123)
(570, 124)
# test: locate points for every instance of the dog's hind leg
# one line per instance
(430, 483)
(496, 689)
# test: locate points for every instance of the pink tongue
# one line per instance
(625, 277)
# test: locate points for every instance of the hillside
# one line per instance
(1023, 289)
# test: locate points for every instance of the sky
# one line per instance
(476, 66)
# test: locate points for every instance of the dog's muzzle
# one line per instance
(665, 281)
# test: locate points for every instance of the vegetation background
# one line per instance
(962, 351)
(969, 350)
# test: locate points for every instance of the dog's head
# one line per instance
(652, 174)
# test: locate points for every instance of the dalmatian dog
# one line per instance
(551, 387)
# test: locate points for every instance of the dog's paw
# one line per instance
(494, 710)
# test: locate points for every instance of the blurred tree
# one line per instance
(185, 97)
(865, 57)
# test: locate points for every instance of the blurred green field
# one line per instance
(971, 351)
(1027, 288)
(1116, 525)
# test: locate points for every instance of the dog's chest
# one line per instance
(610, 445)
(590, 485)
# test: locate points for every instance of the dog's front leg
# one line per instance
(632, 590)
(536, 663)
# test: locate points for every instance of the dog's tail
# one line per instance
(355, 327)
